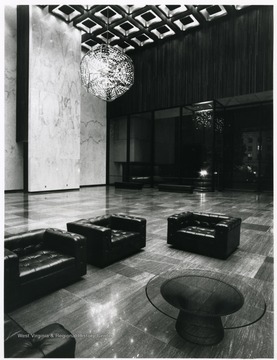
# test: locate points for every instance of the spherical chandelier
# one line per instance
(107, 72)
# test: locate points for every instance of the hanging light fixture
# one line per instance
(203, 119)
(107, 72)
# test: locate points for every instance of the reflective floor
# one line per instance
(108, 311)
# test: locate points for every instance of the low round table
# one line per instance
(204, 303)
(202, 300)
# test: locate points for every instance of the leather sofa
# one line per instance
(39, 261)
(110, 237)
(53, 341)
(212, 235)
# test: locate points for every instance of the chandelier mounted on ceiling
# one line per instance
(106, 71)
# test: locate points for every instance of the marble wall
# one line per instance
(67, 126)
(93, 140)
(13, 150)
(54, 103)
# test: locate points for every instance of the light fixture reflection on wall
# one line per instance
(219, 124)
(106, 71)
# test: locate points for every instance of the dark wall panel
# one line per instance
(22, 79)
(231, 57)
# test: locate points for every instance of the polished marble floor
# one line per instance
(108, 311)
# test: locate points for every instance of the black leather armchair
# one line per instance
(213, 235)
(53, 341)
(40, 261)
(110, 237)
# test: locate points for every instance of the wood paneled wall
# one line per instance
(231, 57)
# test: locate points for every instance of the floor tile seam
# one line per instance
(141, 331)
(159, 262)
(270, 283)
(255, 224)
(116, 303)
(77, 296)
(254, 253)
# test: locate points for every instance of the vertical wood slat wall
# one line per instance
(230, 57)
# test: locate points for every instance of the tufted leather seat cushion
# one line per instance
(195, 230)
(39, 261)
(17, 341)
(208, 234)
(53, 341)
(42, 263)
(119, 235)
(110, 237)
(103, 220)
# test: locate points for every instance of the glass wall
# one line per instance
(140, 148)
(197, 146)
(191, 149)
(117, 149)
(166, 143)
(204, 145)
(219, 128)
(266, 149)
(242, 149)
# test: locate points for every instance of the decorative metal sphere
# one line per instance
(107, 72)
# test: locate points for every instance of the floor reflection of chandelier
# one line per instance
(107, 72)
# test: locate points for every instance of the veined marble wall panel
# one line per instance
(54, 104)
(13, 150)
(93, 140)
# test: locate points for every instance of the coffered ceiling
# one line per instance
(131, 27)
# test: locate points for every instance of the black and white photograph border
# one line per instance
(138, 180)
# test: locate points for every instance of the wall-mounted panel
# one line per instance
(93, 140)
(54, 104)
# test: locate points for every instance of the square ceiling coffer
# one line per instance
(148, 18)
(126, 28)
(172, 10)
(212, 12)
(88, 26)
(163, 31)
(66, 12)
(108, 15)
(142, 39)
(187, 22)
